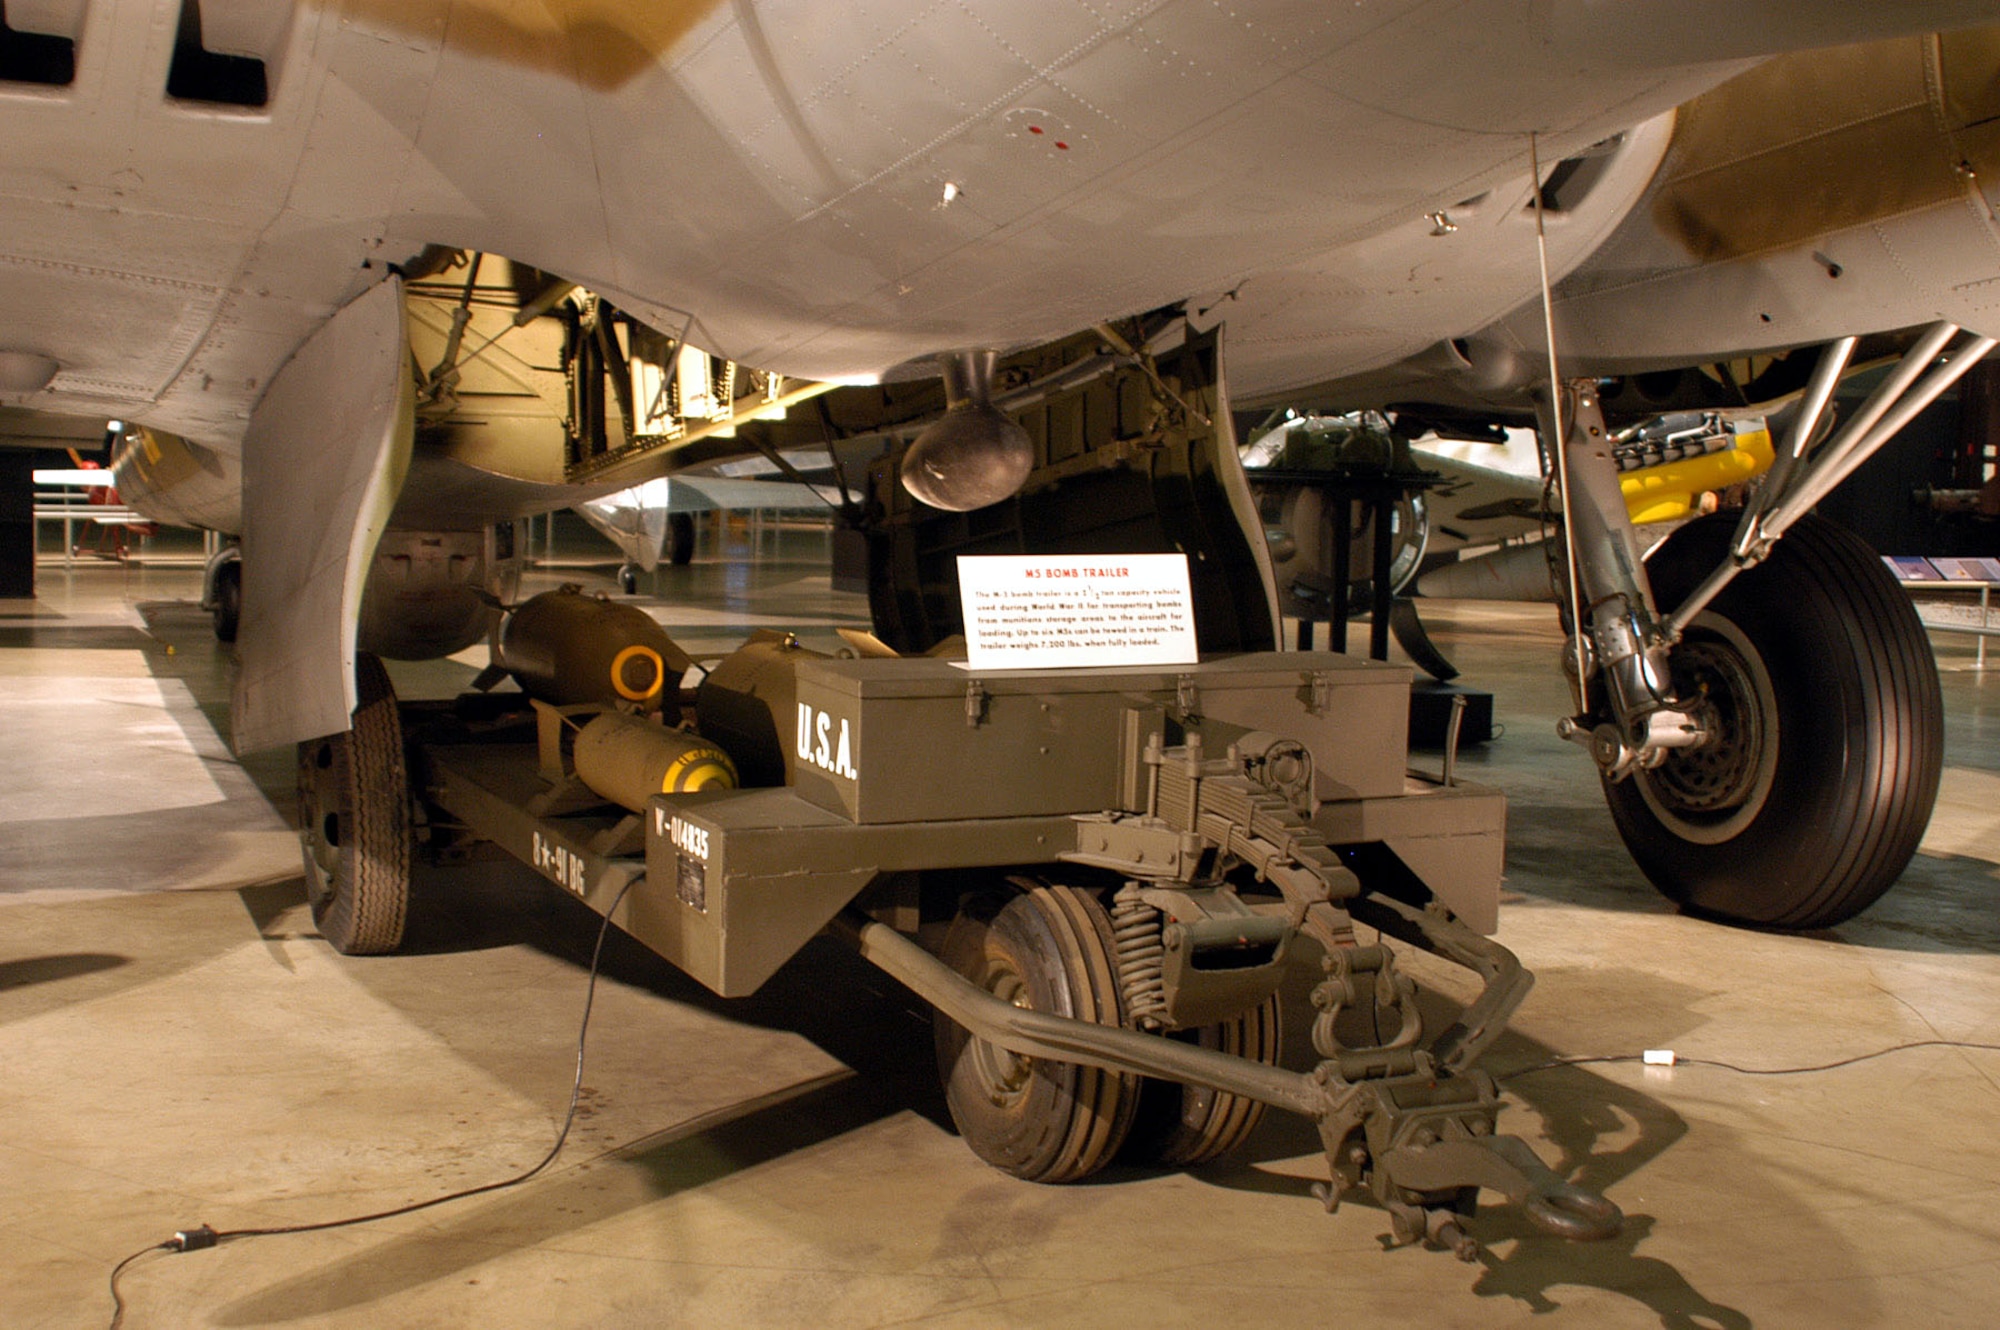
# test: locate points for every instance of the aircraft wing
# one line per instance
(636, 519)
(770, 177)
(1495, 498)
(698, 493)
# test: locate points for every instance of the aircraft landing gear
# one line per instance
(354, 822)
(628, 579)
(1815, 681)
(1771, 745)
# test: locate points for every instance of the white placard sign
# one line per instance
(1025, 612)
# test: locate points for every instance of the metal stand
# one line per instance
(1339, 494)
(1979, 634)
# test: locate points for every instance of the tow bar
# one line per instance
(1412, 1126)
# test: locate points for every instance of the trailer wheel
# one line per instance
(1184, 1126)
(1818, 680)
(354, 822)
(1046, 948)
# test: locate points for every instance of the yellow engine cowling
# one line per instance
(1673, 490)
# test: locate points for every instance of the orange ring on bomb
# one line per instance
(626, 657)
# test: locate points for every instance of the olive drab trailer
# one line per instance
(1099, 878)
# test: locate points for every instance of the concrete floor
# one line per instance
(179, 1047)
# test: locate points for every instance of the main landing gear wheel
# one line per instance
(1046, 948)
(1815, 677)
(628, 579)
(1184, 1126)
(354, 822)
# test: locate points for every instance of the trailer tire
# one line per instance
(1822, 683)
(1185, 1126)
(1047, 948)
(354, 822)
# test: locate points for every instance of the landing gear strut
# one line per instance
(228, 600)
(680, 539)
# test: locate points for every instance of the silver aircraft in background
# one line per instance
(378, 276)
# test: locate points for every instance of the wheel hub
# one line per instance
(1710, 792)
(1004, 1073)
(320, 814)
(1722, 772)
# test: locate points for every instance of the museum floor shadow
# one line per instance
(53, 969)
(825, 994)
(685, 1158)
(1602, 1132)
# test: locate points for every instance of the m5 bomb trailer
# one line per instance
(1098, 878)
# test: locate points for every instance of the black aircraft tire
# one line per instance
(1047, 948)
(228, 600)
(628, 579)
(680, 539)
(354, 823)
(1185, 1126)
(1832, 735)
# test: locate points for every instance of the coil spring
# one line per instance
(1135, 929)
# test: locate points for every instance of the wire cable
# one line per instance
(201, 1237)
(1678, 1061)
(117, 1299)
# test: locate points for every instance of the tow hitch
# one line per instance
(1397, 1123)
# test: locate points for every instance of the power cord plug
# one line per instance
(192, 1239)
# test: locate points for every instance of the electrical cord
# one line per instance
(118, 1299)
(1679, 1061)
(202, 1236)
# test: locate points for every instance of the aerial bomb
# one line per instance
(746, 703)
(629, 759)
(568, 649)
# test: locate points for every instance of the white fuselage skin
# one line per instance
(835, 191)
(829, 191)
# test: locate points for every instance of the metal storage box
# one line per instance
(938, 741)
